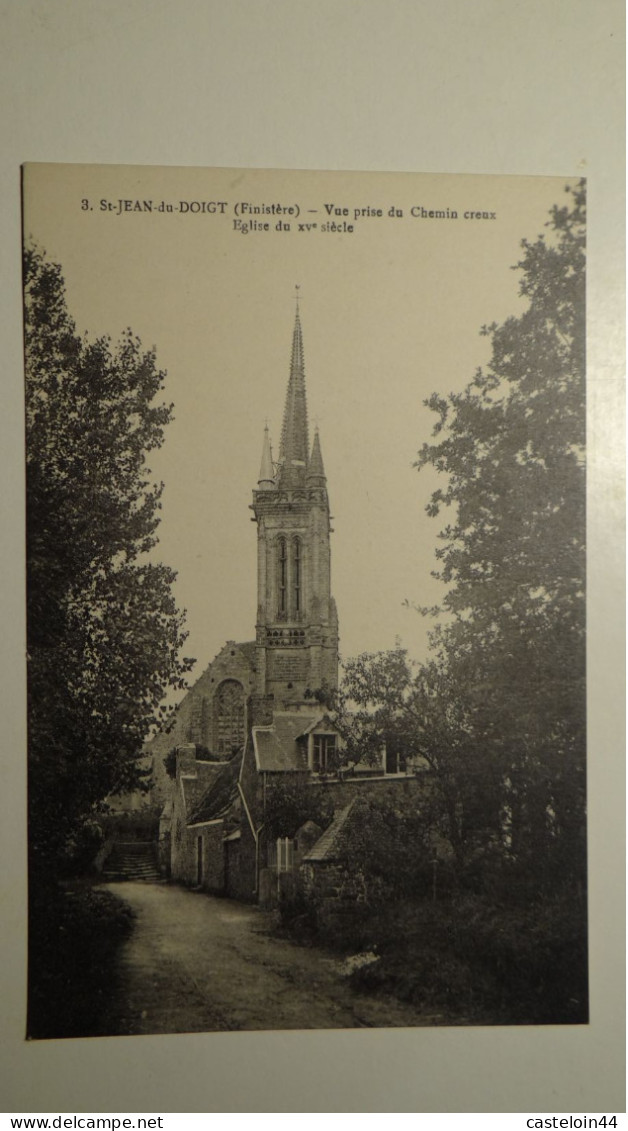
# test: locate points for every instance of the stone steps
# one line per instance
(132, 860)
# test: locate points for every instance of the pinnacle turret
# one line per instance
(316, 469)
(266, 473)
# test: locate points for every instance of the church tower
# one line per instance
(297, 624)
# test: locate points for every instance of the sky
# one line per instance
(391, 312)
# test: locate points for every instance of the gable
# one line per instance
(324, 725)
(283, 744)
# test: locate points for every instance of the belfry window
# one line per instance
(296, 573)
(283, 576)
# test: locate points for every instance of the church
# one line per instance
(254, 746)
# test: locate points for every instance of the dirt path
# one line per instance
(195, 964)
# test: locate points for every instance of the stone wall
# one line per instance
(183, 862)
(179, 858)
(185, 857)
(213, 876)
(242, 875)
(334, 891)
(400, 789)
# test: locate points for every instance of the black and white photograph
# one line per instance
(305, 479)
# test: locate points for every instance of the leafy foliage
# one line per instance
(416, 713)
(512, 643)
(83, 928)
(478, 961)
(375, 707)
(292, 802)
(104, 633)
(397, 853)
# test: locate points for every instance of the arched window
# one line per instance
(229, 717)
(282, 576)
(296, 574)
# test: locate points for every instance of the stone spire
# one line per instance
(266, 473)
(296, 633)
(316, 470)
(293, 451)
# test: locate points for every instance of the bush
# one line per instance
(298, 918)
(81, 848)
(497, 964)
(294, 802)
(74, 936)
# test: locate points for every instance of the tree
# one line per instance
(512, 639)
(104, 633)
(293, 801)
(416, 713)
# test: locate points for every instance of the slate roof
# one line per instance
(206, 770)
(220, 795)
(276, 746)
(335, 840)
(195, 783)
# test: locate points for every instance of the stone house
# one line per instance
(201, 811)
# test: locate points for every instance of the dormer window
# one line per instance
(323, 753)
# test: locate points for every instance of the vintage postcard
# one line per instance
(306, 600)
